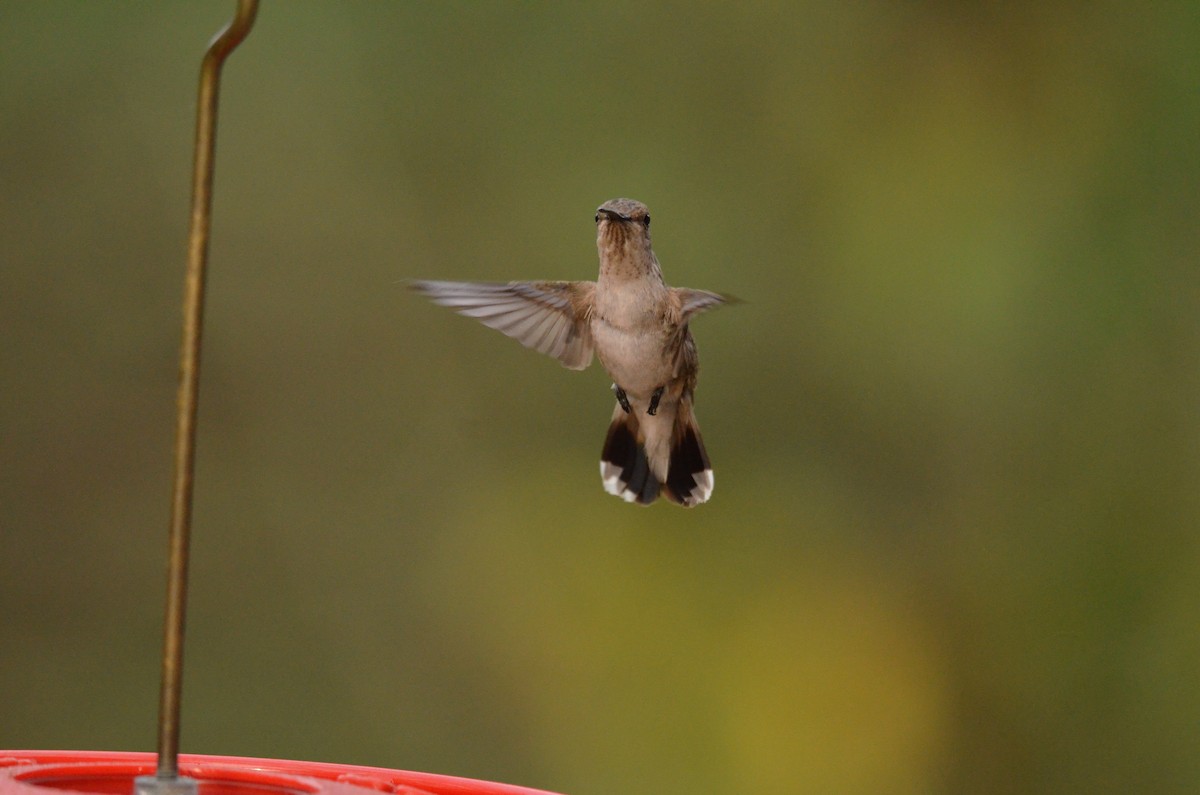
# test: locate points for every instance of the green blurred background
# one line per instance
(952, 547)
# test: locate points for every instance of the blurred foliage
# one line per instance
(955, 426)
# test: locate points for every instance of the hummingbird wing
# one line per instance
(550, 317)
(693, 302)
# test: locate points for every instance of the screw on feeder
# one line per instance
(167, 781)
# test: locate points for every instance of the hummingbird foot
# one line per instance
(657, 396)
(623, 399)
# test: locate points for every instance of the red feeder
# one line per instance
(113, 773)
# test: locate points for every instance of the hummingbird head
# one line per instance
(623, 228)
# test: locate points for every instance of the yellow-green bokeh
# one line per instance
(952, 546)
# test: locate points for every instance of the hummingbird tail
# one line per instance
(634, 475)
(689, 475)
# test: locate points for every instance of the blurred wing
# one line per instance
(693, 302)
(550, 317)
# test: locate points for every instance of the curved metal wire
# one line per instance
(189, 371)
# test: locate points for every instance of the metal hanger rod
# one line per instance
(189, 373)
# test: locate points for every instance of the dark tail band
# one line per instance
(624, 466)
(689, 477)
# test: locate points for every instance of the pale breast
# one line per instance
(629, 334)
(635, 358)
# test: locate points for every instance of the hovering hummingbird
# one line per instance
(638, 327)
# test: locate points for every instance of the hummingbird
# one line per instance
(637, 327)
